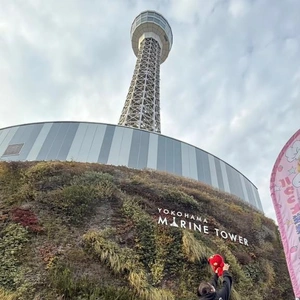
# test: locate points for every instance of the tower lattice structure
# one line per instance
(152, 39)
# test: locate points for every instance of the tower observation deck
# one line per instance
(151, 38)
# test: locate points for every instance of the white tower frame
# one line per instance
(152, 39)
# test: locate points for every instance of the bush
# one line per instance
(76, 202)
(47, 176)
(121, 252)
(92, 178)
(12, 240)
(26, 218)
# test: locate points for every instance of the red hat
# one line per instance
(217, 263)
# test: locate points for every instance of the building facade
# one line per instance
(123, 146)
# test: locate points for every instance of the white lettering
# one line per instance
(174, 224)
(224, 235)
(205, 229)
(197, 227)
(232, 236)
(241, 240)
(182, 223)
(162, 221)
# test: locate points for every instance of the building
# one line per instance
(152, 39)
(136, 142)
(120, 145)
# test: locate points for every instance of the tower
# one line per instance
(151, 38)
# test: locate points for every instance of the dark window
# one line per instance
(13, 149)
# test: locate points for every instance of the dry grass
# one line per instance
(4, 295)
(193, 249)
(121, 260)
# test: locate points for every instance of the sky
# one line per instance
(230, 86)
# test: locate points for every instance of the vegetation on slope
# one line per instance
(90, 231)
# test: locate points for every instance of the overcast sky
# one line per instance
(230, 86)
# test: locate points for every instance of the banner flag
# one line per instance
(285, 192)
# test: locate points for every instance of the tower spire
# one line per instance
(151, 38)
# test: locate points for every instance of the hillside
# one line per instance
(89, 231)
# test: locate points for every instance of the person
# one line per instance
(207, 291)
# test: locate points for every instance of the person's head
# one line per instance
(205, 288)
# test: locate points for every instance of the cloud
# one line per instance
(238, 8)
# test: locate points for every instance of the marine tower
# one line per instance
(151, 38)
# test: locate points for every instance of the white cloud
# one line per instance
(238, 8)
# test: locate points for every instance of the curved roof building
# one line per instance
(122, 146)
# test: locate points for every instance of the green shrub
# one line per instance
(177, 197)
(74, 202)
(92, 178)
(134, 257)
(47, 176)
(13, 238)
